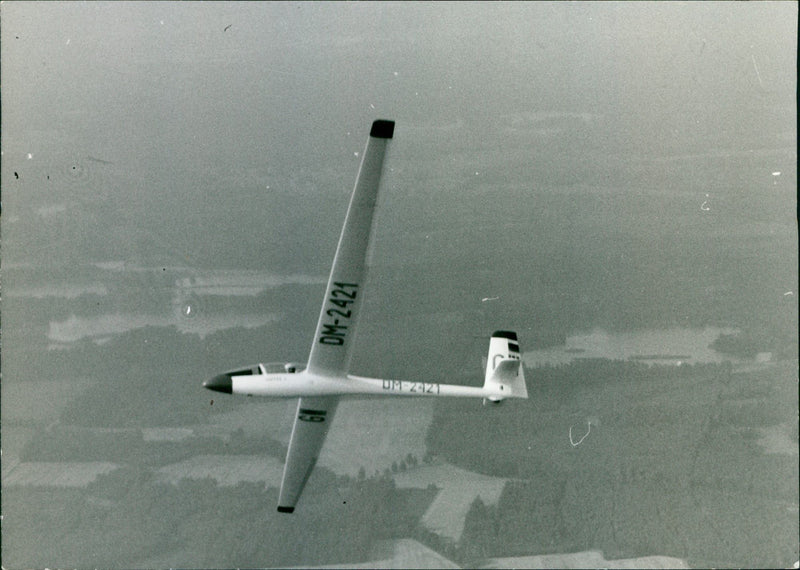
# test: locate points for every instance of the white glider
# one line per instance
(325, 379)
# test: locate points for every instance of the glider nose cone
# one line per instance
(220, 383)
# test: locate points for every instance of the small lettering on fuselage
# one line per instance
(411, 387)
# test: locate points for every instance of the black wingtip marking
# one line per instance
(382, 129)
(511, 335)
(286, 509)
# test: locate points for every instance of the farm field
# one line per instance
(458, 489)
(589, 559)
(55, 474)
(696, 464)
(225, 469)
(27, 406)
(39, 401)
(375, 433)
(368, 434)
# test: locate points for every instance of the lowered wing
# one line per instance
(333, 339)
(310, 428)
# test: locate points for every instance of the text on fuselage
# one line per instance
(411, 387)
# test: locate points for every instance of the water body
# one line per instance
(100, 329)
(197, 302)
(663, 346)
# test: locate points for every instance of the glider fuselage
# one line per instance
(302, 384)
(319, 386)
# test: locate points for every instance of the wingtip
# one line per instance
(382, 129)
(286, 510)
(510, 335)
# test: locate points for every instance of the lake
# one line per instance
(674, 345)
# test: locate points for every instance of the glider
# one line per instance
(325, 379)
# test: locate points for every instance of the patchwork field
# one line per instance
(589, 559)
(699, 465)
(39, 402)
(365, 433)
(458, 490)
(226, 469)
(375, 433)
(55, 474)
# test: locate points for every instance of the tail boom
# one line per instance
(505, 377)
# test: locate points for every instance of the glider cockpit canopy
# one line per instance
(283, 367)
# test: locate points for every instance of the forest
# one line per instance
(670, 464)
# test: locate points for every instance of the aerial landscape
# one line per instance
(616, 183)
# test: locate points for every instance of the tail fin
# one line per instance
(505, 377)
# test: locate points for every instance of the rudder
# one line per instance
(504, 371)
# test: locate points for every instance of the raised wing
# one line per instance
(311, 423)
(330, 351)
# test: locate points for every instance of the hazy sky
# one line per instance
(176, 81)
(190, 101)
